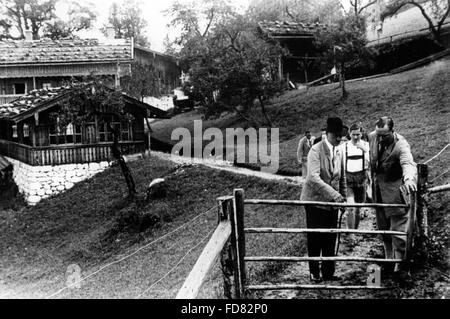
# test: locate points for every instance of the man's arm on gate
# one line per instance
(409, 167)
(314, 172)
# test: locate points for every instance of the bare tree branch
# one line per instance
(211, 18)
(288, 13)
(441, 22)
(366, 6)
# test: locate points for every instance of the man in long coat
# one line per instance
(392, 166)
(304, 145)
(325, 182)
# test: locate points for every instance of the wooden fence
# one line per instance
(67, 154)
(228, 241)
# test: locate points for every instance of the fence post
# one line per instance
(422, 209)
(228, 258)
(240, 238)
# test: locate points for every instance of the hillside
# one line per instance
(417, 100)
(84, 226)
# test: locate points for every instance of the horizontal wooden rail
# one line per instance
(301, 287)
(302, 259)
(205, 262)
(308, 203)
(321, 230)
(439, 189)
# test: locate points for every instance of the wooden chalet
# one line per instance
(300, 65)
(30, 134)
(166, 66)
(27, 65)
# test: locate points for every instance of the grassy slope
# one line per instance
(419, 103)
(79, 226)
(37, 244)
(417, 100)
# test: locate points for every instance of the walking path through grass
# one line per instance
(229, 167)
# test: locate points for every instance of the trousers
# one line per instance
(321, 244)
(394, 246)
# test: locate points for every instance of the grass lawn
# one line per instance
(82, 226)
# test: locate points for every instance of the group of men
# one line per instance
(340, 166)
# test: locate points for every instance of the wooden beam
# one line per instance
(240, 237)
(308, 203)
(320, 230)
(228, 256)
(205, 262)
(422, 209)
(421, 62)
(292, 36)
(311, 287)
(302, 259)
(439, 189)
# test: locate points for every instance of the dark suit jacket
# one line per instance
(389, 172)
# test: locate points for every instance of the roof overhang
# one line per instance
(154, 112)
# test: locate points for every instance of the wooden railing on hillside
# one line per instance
(66, 154)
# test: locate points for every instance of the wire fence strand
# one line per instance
(176, 266)
(439, 176)
(437, 155)
(134, 253)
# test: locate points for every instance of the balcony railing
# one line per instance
(66, 154)
(8, 98)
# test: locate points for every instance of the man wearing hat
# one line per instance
(325, 182)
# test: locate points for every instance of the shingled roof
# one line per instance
(60, 51)
(4, 163)
(288, 28)
(38, 100)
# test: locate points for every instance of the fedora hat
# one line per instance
(335, 125)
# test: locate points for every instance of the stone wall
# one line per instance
(40, 182)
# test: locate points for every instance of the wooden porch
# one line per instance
(67, 154)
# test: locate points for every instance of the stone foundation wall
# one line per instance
(40, 182)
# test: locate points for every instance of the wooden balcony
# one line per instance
(8, 98)
(66, 154)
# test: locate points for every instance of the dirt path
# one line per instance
(228, 166)
(351, 273)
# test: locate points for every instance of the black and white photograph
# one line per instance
(235, 151)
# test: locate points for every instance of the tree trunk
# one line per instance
(342, 82)
(123, 166)
(263, 109)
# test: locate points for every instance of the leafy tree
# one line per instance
(127, 21)
(228, 62)
(343, 45)
(21, 15)
(434, 11)
(79, 18)
(323, 11)
(143, 83)
(39, 16)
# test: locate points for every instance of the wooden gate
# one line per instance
(228, 243)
